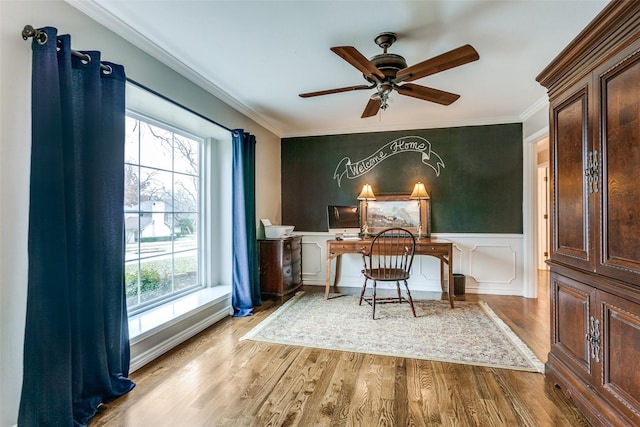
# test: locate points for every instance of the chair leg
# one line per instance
(373, 302)
(364, 287)
(413, 310)
(398, 289)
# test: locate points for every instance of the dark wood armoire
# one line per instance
(594, 96)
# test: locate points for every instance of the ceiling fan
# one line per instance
(386, 71)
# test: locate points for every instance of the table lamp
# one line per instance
(366, 194)
(419, 193)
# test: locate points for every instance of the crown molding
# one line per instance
(97, 12)
(533, 109)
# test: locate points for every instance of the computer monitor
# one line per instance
(343, 220)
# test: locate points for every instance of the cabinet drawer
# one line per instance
(292, 275)
(292, 244)
(432, 249)
(335, 248)
(289, 257)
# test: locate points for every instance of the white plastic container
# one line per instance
(276, 231)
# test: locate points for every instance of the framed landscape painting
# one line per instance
(396, 210)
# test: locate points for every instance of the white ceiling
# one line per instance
(259, 55)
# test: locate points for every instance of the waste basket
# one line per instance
(458, 285)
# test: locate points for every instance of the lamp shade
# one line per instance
(366, 193)
(419, 192)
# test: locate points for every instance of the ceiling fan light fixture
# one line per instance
(383, 95)
(385, 99)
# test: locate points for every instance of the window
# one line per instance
(178, 169)
(162, 212)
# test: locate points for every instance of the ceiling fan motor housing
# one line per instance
(389, 64)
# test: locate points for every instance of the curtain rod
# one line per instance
(177, 104)
(41, 37)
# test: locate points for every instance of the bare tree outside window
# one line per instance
(161, 212)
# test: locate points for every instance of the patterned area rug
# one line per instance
(471, 333)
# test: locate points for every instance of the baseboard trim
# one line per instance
(165, 345)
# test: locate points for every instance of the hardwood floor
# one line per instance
(215, 380)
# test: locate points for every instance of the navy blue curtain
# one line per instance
(76, 351)
(246, 282)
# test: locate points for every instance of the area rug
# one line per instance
(471, 333)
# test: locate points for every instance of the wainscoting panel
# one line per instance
(313, 260)
(491, 263)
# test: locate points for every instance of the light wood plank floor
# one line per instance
(215, 380)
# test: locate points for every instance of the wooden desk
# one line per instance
(441, 249)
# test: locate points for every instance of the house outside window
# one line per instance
(161, 212)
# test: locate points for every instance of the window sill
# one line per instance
(150, 321)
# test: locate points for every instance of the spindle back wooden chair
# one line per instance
(388, 259)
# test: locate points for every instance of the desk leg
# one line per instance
(451, 278)
(327, 285)
(442, 274)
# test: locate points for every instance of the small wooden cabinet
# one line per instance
(594, 98)
(280, 267)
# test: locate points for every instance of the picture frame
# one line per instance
(396, 210)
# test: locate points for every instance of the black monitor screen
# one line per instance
(343, 219)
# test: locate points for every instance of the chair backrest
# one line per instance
(392, 248)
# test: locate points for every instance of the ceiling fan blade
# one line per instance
(372, 108)
(358, 60)
(338, 90)
(427, 93)
(453, 58)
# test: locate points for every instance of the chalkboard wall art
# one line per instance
(473, 175)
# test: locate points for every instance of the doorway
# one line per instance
(543, 215)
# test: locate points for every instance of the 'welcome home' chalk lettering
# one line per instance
(397, 146)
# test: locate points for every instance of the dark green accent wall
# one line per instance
(479, 190)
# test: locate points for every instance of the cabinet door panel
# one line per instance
(571, 243)
(620, 92)
(619, 378)
(571, 302)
